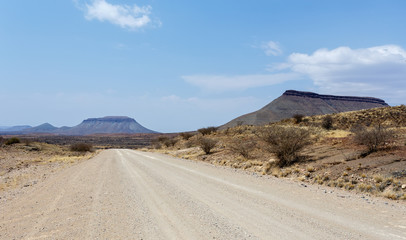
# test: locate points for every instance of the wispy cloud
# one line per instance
(221, 83)
(130, 17)
(376, 70)
(271, 48)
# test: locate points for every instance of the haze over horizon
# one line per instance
(178, 66)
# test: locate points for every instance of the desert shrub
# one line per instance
(207, 131)
(26, 141)
(206, 144)
(164, 140)
(155, 143)
(186, 135)
(170, 142)
(81, 147)
(298, 118)
(190, 143)
(327, 122)
(12, 141)
(373, 138)
(285, 142)
(242, 146)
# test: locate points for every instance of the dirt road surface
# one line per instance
(125, 194)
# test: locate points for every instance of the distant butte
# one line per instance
(306, 103)
(107, 125)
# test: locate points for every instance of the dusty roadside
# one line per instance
(333, 159)
(24, 165)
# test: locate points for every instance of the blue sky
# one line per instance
(183, 65)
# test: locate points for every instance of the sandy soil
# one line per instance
(125, 194)
(25, 165)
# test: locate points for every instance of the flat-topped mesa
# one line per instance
(110, 124)
(304, 103)
(110, 119)
(332, 97)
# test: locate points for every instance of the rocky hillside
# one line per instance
(307, 104)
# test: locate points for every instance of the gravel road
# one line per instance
(125, 194)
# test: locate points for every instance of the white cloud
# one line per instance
(271, 48)
(125, 16)
(220, 83)
(380, 70)
(376, 71)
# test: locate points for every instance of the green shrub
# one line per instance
(285, 142)
(12, 141)
(81, 147)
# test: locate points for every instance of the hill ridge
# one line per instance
(333, 97)
(293, 102)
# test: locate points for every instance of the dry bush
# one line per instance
(170, 142)
(327, 122)
(207, 131)
(163, 140)
(206, 144)
(242, 146)
(285, 142)
(298, 118)
(12, 141)
(155, 144)
(192, 142)
(81, 147)
(373, 138)
(186, 135)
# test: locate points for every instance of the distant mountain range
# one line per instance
(305, 103)
(14, 128)
(105, 125)
(286, 106)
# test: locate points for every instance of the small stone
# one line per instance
(404, 186)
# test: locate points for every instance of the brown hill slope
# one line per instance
(384, 116)
(305, 103)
